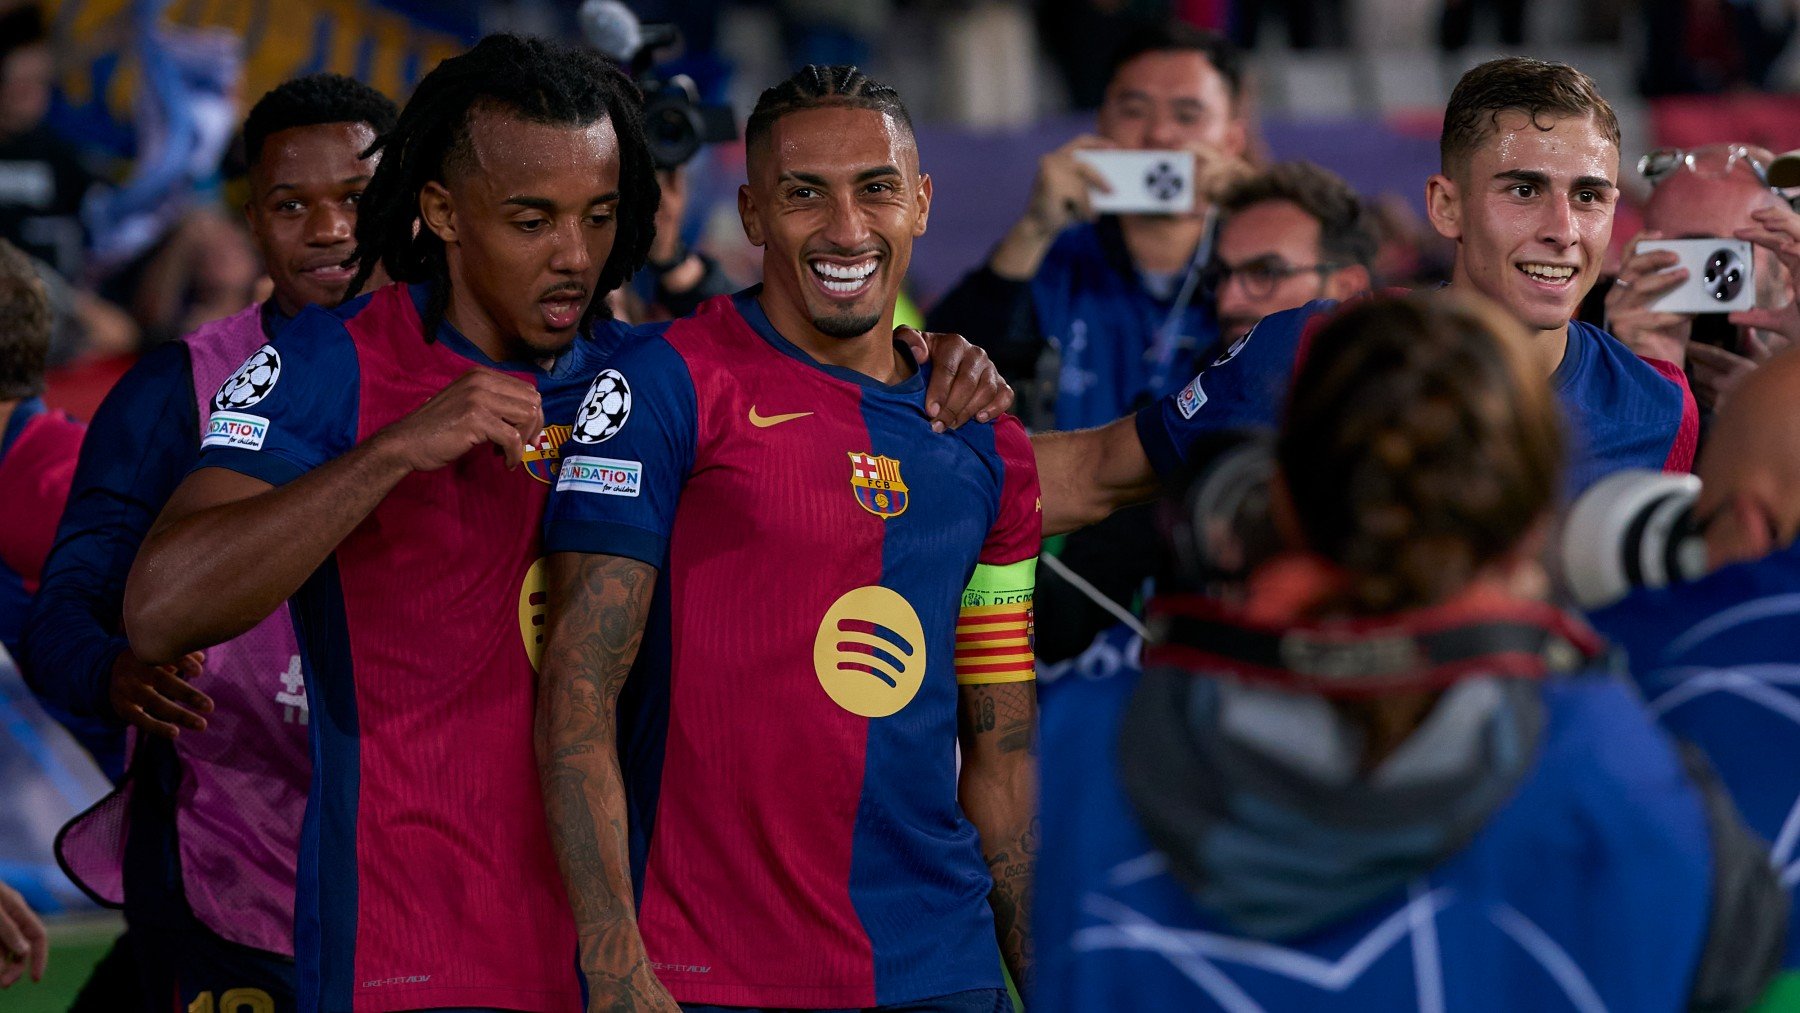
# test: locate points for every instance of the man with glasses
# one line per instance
(1719, 190)
(1288, 236)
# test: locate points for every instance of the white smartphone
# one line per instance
(1143, 182)
(1721, 275)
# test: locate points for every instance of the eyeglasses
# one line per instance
(1713, 161)
(1259, 277)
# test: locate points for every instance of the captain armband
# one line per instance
(993, 629)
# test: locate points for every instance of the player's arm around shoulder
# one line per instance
(281, 481)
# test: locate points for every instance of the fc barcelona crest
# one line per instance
(544, 454)
(876, 482)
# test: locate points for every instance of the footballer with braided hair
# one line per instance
(386, 470)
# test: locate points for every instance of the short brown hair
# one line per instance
(1536, 88)
(1418, 447)
(24, 326)
(1344, 234)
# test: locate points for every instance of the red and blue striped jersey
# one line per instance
(830, 570)
(426, 876)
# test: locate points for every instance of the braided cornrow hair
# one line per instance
(1418, 448)
(542, 82)
(815, 85)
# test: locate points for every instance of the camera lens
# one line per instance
(1724, 275)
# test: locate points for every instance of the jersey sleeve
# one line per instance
(994, 625)
(630, 449)
(1246, 386)
(290, 407)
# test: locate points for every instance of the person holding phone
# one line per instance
(1117, 299)
(1715, 191)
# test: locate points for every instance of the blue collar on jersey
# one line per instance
(752, 312)
(22, 413)
(454, 340)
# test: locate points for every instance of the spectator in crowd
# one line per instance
(1712, 191)
(221, 768)
(43, 181)
(1359, 761)
(1289, 235)
(681, 277)
(24, 945)
(37, 446)
(1116, 298)
(1530, 150)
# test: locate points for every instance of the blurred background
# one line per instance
(120, 168)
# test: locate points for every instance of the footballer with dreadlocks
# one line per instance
(821, 600)
(385, 465)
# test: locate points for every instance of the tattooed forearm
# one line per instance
(998, 728)
(598, 605)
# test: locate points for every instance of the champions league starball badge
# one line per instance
(605, 409)
(252, 382)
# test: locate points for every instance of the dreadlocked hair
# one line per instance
(813, 86)
(538, 81)
(1418, 448)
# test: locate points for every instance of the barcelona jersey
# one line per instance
(426, 876)
(1623, 411)
(830, 571)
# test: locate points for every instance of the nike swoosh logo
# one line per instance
(765, 421)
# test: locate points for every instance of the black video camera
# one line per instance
(676, 122)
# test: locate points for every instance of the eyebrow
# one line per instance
(346, 181)
(1543, 179)
(864, 176)
(547, 205)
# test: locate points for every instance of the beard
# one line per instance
(847, 325)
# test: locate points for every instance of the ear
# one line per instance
(1443, 204)
(1755, 528)
(439, 211)
(1348, 281)
(747, 213)
(924, 198)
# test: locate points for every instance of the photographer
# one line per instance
(1394, 778)
(1717, 657)
(1716, 191)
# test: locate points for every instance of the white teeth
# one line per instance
(856, 272)
(1548, 272)
(841, 287)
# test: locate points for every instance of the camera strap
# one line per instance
(1421, 649)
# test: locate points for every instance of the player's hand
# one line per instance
(159, 699)
(482, 406)
(23, 942)
(1643, 279)
(640, 991)
(964, 383)
(1059, 194)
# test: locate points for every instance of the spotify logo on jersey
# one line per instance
(870, 652)
(533, 604)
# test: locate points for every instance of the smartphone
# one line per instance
(1143, 182)
(1721, 275)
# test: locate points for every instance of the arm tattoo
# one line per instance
(999, 794)
(598, 605)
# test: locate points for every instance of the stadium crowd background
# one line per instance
(145, 241)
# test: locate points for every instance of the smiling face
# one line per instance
(835, 200)
(528, 220)
(1531, 212)
(304, 191)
